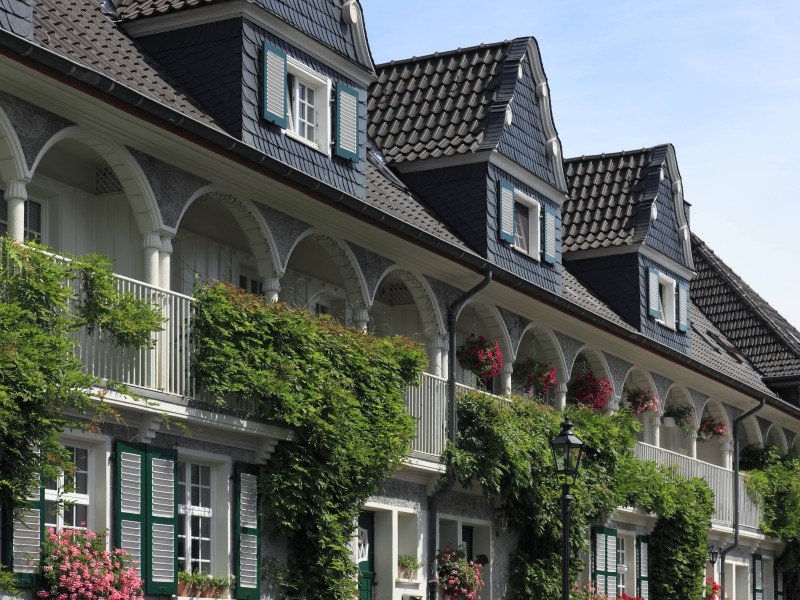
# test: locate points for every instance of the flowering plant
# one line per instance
(478, 355)
(591, 392)
(683, 415)
(711, 428)
(587, 592)
(76, 566)
(642, 401)
(624, 596)
(458, 577)
(533, 376)
(712, 590)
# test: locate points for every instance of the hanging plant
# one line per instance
(531, 375)
(480, 356)
(711, 428)
(642, 401)
(683, 415)
(592, 392)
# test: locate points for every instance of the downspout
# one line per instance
(452, 425)
(735, 544)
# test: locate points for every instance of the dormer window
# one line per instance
(527, 225)
(524, 223)
(297, 99)
(668, 300)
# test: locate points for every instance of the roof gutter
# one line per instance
(35, 56)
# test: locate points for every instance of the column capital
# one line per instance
(166, 244)
(361, 315)
(16, 189)
(151, 240)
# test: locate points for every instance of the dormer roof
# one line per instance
(754, 327)
(612, 202)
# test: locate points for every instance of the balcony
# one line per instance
(165, 369)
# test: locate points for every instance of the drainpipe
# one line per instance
(452, 424)
(735, 544)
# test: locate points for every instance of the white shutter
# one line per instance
(249, 507)
(653, 296)
(163, 555)
(26, 541)
(129, 523)
(683, 307)
(643, 582)
(611, 564)
(346, 122)
(505, 207)
(247, 533)
(274, 85)
(549, 235)
(131, 488)
(600, 560)
(162, 506)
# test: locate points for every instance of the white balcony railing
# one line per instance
(719, 479)
(427, 403)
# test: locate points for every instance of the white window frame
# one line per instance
(534, 225)
(667, 288)
(626, 568)
(220, 511)
(298, 73)
(60, 497)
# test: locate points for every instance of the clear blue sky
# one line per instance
(718, 80)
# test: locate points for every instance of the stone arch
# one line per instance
(597, 363)
(252, 223)
(751, 433)
(496, 329)
(12, 157)
(423, 296)
(677, 394)
(776, 437)
(129, 173)
(795, 449)
(354, 284)
(549, 345)
(638, 378)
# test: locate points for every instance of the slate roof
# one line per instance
(81, 31)
(435, 105)
(603, 199)
(755, 328)
(386, 192)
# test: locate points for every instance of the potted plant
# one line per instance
(204, 585)
(480, 356)
(712, 590)
(711, 428)
(530, 375)
(222, 584)
(185, 584)
(407, 566)
(587, 592)
(681, 414)
(590, 391)
(459, 578)
(641, 401)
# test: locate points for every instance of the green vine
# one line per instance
(42, 382)
(504, 448)
(341, 391)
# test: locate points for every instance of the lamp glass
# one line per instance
(567, 452)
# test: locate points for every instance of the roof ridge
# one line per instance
(605, 155)
(443, 54)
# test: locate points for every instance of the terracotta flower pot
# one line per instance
(185, 589)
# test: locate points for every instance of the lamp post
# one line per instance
(567, 453)
(713, 553)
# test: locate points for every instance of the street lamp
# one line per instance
(713, 553)
(567, 453)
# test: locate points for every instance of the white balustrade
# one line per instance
(427, 403)
(719, 479)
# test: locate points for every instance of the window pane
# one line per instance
(310, 95)
(521, 226)
(81, 458)
(81, 483)
(50, 514)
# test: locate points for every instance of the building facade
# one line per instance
(256, 143)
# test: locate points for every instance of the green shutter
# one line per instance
(347, 122)
(129, 502)
(505, 211)
(604, 561)
(247, 546)
(653, 295)
(161, 493)
(758, 577)
(683, 306)
(274, 85)
(549, 230)
(642, 567)
(26, 540)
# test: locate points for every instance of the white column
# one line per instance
(361, 319)
(613, 404)
(16, 194)
(434, 350)
(272, 288)
(505, 379)
(165, 262)
(655, 430)
(151, 243)
(561, 395)
(727, 454)
(445, 357)
(691, 439)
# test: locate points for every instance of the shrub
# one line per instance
(458, 577)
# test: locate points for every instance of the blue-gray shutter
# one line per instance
(347, 122)
(505, 211)
(758, 577)
(550, 248)
(683, 307)
(653, 296)
(642, 567)
(274, 85)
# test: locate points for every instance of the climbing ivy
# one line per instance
(44, 388)
(342, 393)
(503, 446)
